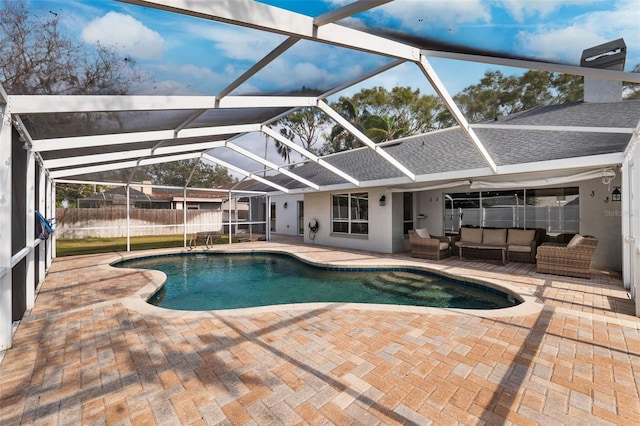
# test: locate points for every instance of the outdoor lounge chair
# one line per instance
(428, 246)
(572, 259)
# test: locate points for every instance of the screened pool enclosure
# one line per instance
(264, 60)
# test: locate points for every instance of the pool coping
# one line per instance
(138, 301)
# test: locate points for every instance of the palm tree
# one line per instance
(381, 128)
(340, 139)
(284, 150)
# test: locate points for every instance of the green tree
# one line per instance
(340, 139)
(305, 124)
(72, 191)
(381, 128)
(283, 150)
(496, 94)
(382, 115)
(405, 107)
(176, 174)
(38, 57)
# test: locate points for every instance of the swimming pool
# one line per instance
(214, 281)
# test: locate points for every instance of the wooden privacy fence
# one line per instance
(112, 222)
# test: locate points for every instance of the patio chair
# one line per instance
(572, 259)
(428, 246)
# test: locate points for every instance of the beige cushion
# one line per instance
(575, 240)
(521, 237)
(444, 246)
(422, 233)
(471, 235)
(520, 249)
(494, 236)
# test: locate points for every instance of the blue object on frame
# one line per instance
(46, 226)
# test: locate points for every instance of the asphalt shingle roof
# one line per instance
(450, 150)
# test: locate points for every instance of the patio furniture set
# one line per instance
(509, 245)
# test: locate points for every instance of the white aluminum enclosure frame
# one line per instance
(294, 27)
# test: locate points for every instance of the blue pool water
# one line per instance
(226, 281)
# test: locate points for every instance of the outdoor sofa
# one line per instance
(512, 244)
(428, 246)
(572, 259)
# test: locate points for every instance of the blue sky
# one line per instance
(189, 56)
(192, 56)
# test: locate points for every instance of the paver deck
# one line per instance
(88, 353)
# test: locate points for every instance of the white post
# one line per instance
(229, 220)
(42, 205)
(6, 320)
(184, 214)
(50, 206)
(128, 222)
(268, 216)
(52, 214)
(30, 230)
(250, 218)
(626, 232)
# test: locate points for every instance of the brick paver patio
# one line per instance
(87, 355)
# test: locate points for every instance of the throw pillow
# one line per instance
(575, 240)
(422, 233)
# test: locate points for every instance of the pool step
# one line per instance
(412, 286)
(412, 281)
(389, 288)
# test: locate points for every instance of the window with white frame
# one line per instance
(350, 213)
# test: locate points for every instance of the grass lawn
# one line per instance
(72, 247)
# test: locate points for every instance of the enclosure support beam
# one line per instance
(229, 221)
(267, 226)
(30, 231)
(184, 204)
(311, 156)
(6, 321)
(42, 206)
(442, 92)
(50, 195)
(128, 219)
(184, 216)
(365, 140)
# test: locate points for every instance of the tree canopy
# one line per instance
(382, 115)
(38, 57)
(176, 174)
(496, 94)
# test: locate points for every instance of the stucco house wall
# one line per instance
(318, 206)
(287, 217)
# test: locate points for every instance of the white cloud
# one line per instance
(522, 9)
(126, 34)
(287, 75)
(546, 45)
(590, 29)
(236, 43)
(193, 81)
(417, 15)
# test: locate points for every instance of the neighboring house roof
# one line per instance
(120, 193)
(205, 196)
(450, 150)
